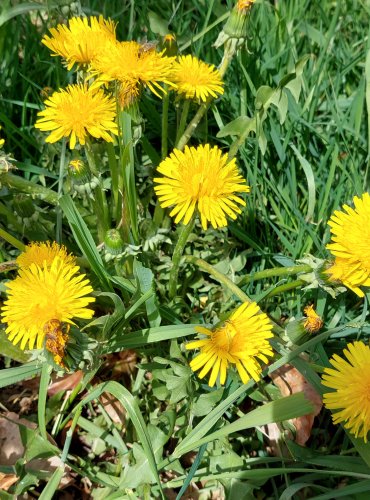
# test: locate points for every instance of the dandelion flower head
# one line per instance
(76, 113)
(43, 293)
(44, 252)
(200, 179)
(81, 40)
(350, 380)
(132, 66)
(242, 341)
(350, 230)
(313, 323)
(244, 5)
(196, 79)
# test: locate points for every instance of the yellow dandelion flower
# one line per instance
(2, 141)
(196, 79)
(244, 5)
(76, 113)
(43, 253)
(313, 323)
(350, 380)
(350, 230)
(43, 293)
(200, 179)
(81, 40)
(241, 341)
(132, 66)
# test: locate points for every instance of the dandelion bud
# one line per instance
(169, 45)
(113, 242)
(234, 30)
(79, 172)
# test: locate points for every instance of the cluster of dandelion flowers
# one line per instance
(196, 79)
(44, 252)
(81, 40)
(76, 113)
(350, 230)
(132, 66)
(242, 341)
(200, 179)
(350, 380)
(40, 294)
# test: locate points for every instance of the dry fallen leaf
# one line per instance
(114, 408)
(68, 382)
(12, 449)
(289, 380)
(7, 480)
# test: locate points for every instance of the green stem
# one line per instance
(224, 280)
(286, 287)
(43, 391)
(177, 254)
(114, 172)
(10, 239)
(275, 271)
(99, 202)
(165, 106)
(189, 131)
(129, 222)
(59, 214)
(19, 184)
(183, 119)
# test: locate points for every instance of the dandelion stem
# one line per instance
(190, 129)
(165, 106)
(183, 119)
(177, 254)
(59, 215)
(129, 222)
(20, 184)
(275, 271)
(99, 202)
(10, 239)
(224, 280)
(286, 287)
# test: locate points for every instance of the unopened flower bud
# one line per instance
(79, 171)
(113, 242)
(169, 45)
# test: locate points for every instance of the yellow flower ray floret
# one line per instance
(44, 252)
(43, 293)
(350, 230)
(350, 380)
(81, 40)
(241, 341)
(196, 79)
(200, 179)
(76, 113)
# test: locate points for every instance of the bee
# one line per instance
(146, 47)
(56, 337)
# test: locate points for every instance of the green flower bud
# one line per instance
(113, 242)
